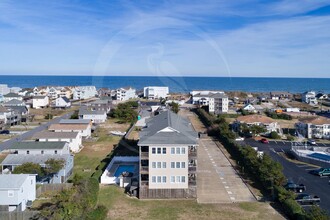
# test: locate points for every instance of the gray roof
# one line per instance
(18, 159)
(85, 111)
(212, 94)
(19, 109)
(11, 94)
(13, 102)
(37, 145)
(55, 135)
(65, 99)
(75, 121)
(100, 101)
(183, 132)
(219, 95)
(12, 181)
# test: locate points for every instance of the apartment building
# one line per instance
(218, 103)
(124, 94)
(84, 92)
(155, 92)
(318, 127)
(168, 158)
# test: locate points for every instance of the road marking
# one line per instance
(227, 187)
(232, 198)
(229, 192)
(283, 142)
(275, 142)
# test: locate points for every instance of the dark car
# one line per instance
(5, 132)
(264, 141)
(295, 187)
(321, 172)
(311, 142)
(306, 199)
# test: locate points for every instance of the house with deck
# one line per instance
(315, 127)
(62, 102)
(96, 116)
(126, 93)
(11, 96)
(168, 158)
(268, 123)
(17, 191)
(40, 102)
(84, 92)
(39, 153)
(156, 92)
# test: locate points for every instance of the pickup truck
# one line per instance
(295, 187)
(306, 199)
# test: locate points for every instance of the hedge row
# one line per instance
(261, 169)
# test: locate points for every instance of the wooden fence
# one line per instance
(26, 215)
(52, 187)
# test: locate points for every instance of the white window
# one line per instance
(177, 164)
(159, 165)
(172, 179)
(178, 150)
(172, 164)
(164, 164)
(183, 150)
(183, 179)
(159, 179)
(153, 164)
(178, 179)
(164, 179)
(172, 150)
(183, 165)
(10, 193)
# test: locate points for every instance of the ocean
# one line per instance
(176, 84)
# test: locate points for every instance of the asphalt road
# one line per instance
(298, 173)
(6, 145)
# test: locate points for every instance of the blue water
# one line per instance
(176, 84)
(124, 168)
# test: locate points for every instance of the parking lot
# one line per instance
(297, 172)
(217, 181)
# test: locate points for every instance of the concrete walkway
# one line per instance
(217, 181)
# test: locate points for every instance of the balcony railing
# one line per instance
(144, 183)
(192, 182)
(144, 168)
(192, 169)
(144, 154)
(192, 154)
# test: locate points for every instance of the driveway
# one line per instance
(217, 181)
(6, 145)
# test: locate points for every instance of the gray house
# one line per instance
(17, 191)
(40, 152)
(168, 158)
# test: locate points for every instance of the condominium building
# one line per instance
(168, 157)
(124, 94)
(84, 92)
(155, 92)
(318, 127)
(218, 103)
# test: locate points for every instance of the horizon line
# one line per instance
(170, 76)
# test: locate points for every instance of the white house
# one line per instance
(17, 191)
(4, 89)
(40, 102)
(218, 103)
(53, 93)
(317, 127)
(74, 139)
(249, 108)
(85, 130)
(155, 92)
(62, 102)
(84, 92)
(95, 116)
(309, 98)
(10, 96)
(202, 97)
(124, 94)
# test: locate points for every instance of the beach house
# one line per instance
(155, 92)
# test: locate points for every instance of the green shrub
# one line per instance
(99, 213)
(49, 116)
(274, 135)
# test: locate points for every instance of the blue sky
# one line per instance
(282, 38)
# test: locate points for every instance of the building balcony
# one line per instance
(144, 183)
(192, 183)
(144, 155)
(144, 169)
(192, 169)
(192, 154)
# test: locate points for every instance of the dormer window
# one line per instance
(27, 152)
(55, 152)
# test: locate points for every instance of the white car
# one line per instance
(311, 142)
(239, 139)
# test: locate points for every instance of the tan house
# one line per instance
(259, 120)
(83, 129)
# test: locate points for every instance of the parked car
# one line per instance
(311, 142)
(306, 199)
(239, 139)
(295, 187)
(5, 132)
(264, 141)
(321, 172)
